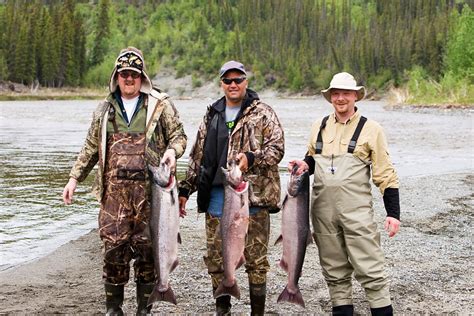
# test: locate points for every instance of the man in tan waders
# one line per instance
(343, 149)
(134, 126)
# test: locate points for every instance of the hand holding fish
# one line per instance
(182, 206)
(68, 191)
(392, 226)
(302, 166)
(169, 158)
(243, 162)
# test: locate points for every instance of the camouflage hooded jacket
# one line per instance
(259, 132)
(163, 130)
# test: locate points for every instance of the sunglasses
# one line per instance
(126, 74)
(237, 80)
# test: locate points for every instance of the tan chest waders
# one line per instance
(344, 226)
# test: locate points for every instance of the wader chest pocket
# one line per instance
(130, 174)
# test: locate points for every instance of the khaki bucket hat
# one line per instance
(344, 81)
(130, 58)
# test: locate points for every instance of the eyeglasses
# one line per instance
(126, 74)
(237, 80)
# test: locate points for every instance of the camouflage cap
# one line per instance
(130, 58)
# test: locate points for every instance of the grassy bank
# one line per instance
(422, 90)
(10, 91)
(418, 91)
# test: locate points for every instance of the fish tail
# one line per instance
(166, 296)
(224, 290)
(286, 296)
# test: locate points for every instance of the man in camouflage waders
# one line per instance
(134, 126)
(238, 125)
(344, 151)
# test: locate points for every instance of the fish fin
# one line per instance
(174, 265)
(279, 239)
(242, 202)
(310, 239)
(283, 264)
(167, 296)
(241, 262)
(179, 239)
(286, 296)
(224, 290)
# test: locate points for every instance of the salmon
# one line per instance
(164, 228)
(233, 226)
(295, 235)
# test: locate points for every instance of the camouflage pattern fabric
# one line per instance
(164, 130)
(125, 212)
(256, 248)
(260, 132)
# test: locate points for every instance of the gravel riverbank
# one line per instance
(430, 263)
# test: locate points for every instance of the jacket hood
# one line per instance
(123, 63)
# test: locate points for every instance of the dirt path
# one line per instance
(430, 264)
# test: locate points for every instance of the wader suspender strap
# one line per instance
(353, 142)
(112, 118)
(319, 141)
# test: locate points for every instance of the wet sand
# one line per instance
(430, 263)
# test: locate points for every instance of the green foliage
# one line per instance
(291, 45)
(380, 81)
(451, 89)
(44, 43)
(101, 33)
(4, 73)
(99, 75)
(459, 57)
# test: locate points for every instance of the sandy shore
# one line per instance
(430, 264)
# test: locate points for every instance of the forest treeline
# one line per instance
(294, 45)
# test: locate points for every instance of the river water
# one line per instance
(39, 141)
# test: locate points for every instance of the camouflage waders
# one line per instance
(125, 211)
(256, 248)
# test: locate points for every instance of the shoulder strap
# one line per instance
(355, 137)
(319, 141)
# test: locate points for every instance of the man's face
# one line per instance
(129, 83)
(343, 101)
(234, 91)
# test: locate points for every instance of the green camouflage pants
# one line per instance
(256, 248)
(125, 212)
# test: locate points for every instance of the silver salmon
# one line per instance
(295, 234)
(234, 225)
(164, 228)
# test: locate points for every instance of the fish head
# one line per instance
(161, 175)
(296, 183)
(233, 174)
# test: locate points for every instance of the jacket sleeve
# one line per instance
(273, 147)
(383, 173)
(189, 185)
(89, 154)
(173, 128)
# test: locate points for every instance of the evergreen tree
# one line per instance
(101, 33)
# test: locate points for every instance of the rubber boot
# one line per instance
(143, 293)
(343, 310)
(223, 304)
(258, 293)
(382, 311)
(113, 299)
